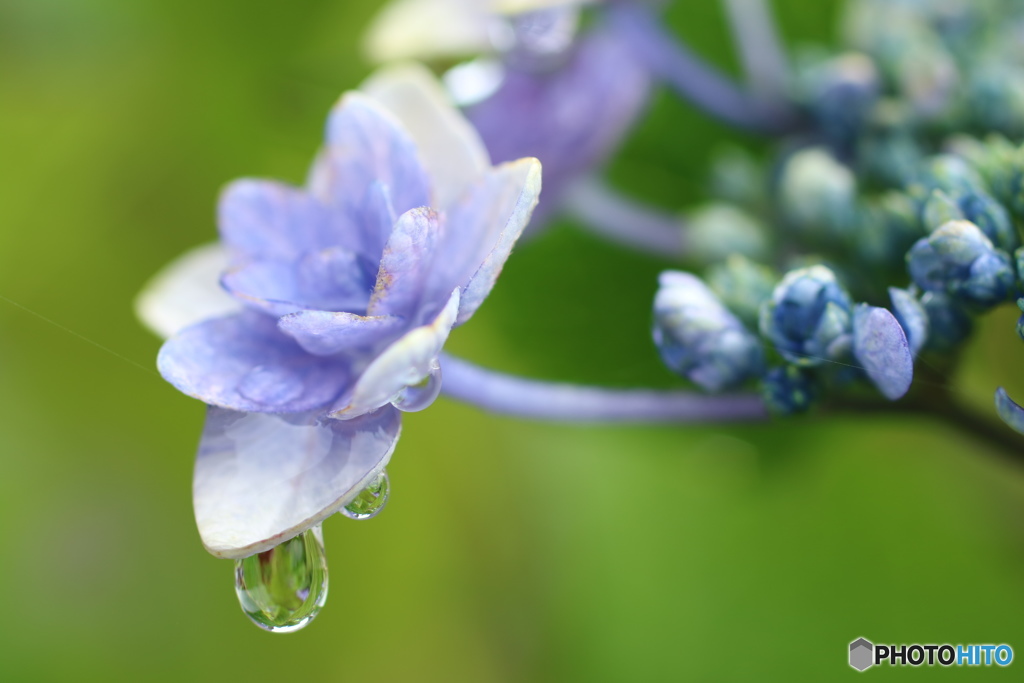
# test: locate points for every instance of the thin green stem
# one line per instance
(938, 403)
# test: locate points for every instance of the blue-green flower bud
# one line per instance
(738, 178)
(995, 97)
(939, 210)
(977, 207)
(715, 231)
(1020, 320)
(808, 317)
(887, 227)
(912, 316)
(908, 49)
(1018, 259)
(817, 192)
(699, 338)
(948, 323)
(840, 94)
(788, 390)
(960, 260)
(1001, 165)
(742, 285)
(888, 151)
(949, 173)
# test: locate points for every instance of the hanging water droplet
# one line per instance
(283, 589)
(417, 397)
(370, 500)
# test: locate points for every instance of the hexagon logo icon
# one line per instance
(861, 654)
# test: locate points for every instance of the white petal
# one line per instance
(186, 291)
(519, 6)
(428, 29)
(405, 363)
(451, 149)
(261, 479)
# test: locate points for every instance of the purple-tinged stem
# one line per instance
(757, 41)
(625, 221)
(532, 399)
(707, 88)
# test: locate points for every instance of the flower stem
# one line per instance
(538, 400)
(671, 61)
(757, 41)
(620, 219)
(938, 404)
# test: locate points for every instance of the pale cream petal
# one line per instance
(428, 29)
(186, 291)
(449, 146)
(519, 6)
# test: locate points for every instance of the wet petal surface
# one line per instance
(405, 363)
(262, 479)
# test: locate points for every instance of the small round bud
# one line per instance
(818, 193)
(714, 231)
(808, 317)
(960, 260)
(788, 390)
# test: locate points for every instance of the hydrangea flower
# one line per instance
(549, 112)
(342, 294)
(535, 91)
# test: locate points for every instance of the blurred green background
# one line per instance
(510, 551)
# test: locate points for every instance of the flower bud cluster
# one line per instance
(895, 201)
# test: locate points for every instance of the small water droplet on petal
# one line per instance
(419, 396)
(282, 589)
(370, 500)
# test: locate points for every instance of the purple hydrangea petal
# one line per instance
(880, 346)
(482, 229)
(451, 149)
(367, 148)
(266, 219)
(324, 333)
(602, 75)
(330, 279)
(186, 291)
(1009, 411)
(912, 316)
(405, 363)
(243, 362)
(262, 479)
(409, 256)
